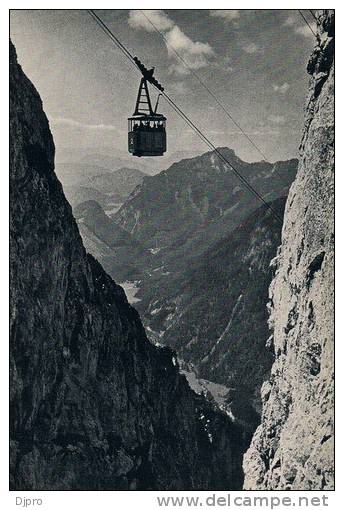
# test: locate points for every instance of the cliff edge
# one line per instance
(293, 446)
(94, 405)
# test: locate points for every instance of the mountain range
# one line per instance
(180, 212)
(119, 251)
(109, 159)
(83, 182)
(202, 270)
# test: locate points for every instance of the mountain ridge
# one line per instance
(197, 199)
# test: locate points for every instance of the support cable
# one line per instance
(188, 120)
(314, 16)
(305, 20)
(193, 72)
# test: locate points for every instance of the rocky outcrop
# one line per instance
(293, 446)
(94, 405)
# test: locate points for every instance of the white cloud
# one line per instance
(182, 42)
(157, 17)
(196, 54)
(281, 89)
(226, 14)
(305, 30)
(250, 48)
(277, 119)
(60, 121)
(289, 21)
(302, 29)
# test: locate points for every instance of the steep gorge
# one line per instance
(293, 447)
(202, 268)
(94, 405)
(214, 312)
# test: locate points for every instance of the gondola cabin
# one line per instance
(147, 135)
(146, 127)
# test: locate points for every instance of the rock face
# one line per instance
(94, 405)
(293, 446)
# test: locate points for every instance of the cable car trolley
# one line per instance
(146, 127)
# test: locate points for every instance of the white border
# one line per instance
(147, 500)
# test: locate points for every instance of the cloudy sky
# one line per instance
(254, 61)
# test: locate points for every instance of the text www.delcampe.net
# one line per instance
(269, 502)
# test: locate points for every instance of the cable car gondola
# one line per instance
(146, 127)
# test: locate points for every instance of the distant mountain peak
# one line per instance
(225, 150)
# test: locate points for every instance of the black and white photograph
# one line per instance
(171, 253)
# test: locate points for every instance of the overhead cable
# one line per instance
(186, 119)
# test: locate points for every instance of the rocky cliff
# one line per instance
(94, 405)
(293, 446)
